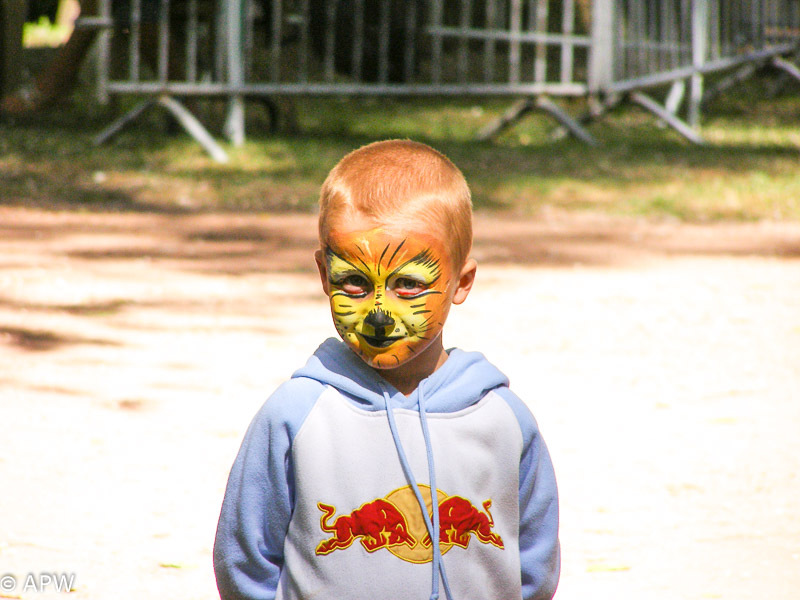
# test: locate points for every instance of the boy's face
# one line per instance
(390, 291)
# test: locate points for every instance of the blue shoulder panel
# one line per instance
(259, 499)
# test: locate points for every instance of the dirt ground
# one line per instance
(662, 362)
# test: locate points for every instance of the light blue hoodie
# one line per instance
(319, 502)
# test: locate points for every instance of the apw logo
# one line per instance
(49, 582)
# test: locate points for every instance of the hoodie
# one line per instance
(323, 499)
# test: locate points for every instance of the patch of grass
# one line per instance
(748, 170)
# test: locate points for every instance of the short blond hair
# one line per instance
(400, 182)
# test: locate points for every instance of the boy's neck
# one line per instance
(406, 377)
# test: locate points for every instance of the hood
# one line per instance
(460, 382)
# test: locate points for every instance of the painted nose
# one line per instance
(381, 321)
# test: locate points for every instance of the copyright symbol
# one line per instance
(8, 583)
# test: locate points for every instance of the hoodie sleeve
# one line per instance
(539, 549)
(259, 498)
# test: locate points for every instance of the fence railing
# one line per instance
(657, 42)
(533, 49)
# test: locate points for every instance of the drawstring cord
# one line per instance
(437, 551)
(431, 526)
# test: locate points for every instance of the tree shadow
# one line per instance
(102, 308)
(40, 340)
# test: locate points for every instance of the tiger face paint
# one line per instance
(389, 293)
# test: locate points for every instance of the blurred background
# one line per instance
(634, 169)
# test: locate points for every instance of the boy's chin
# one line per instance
(393, 356)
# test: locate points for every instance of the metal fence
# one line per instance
(165, 50)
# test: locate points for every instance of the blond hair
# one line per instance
(400, 182)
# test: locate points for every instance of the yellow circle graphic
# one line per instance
(406, 502)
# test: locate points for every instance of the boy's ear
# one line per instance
(322, 266)
(465, 280)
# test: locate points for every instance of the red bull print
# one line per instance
(378, 524)
(395, 523)
(458, 519)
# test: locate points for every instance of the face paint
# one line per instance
(389, 294)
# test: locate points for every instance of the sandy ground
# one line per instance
(662, 363)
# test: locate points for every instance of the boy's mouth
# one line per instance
(380, 342)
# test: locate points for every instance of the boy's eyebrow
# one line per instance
(426, 260)
(396, 250)
(380, 260)
(331, 253)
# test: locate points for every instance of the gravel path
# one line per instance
(662, 362)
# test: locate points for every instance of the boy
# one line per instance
(324, 499)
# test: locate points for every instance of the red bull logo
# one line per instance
(396, 523)
(458, 520)
(378, 524)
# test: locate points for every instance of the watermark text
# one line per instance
(37, 583)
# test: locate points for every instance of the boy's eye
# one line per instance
(405, 287)
(355, 285)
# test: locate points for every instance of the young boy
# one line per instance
(324, 499)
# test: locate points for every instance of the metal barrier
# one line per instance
(675, 42)
(534, 49)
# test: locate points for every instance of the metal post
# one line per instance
(436, 49)
(191, 41)
(330, 41)
(601, 51)
(277, 32)
(163, 42)
(135, 40)
(540, 62)
(699, 49)
(514, 49)
(302, 51)
(409, 54)
(383, 41)
(463, 45)
(234, 124)
(713, 40)
(489, 44)
(567, 28)
(104, 54)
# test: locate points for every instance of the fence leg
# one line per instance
(727, 82)
(234, 123)
(597, 110)
(670, 119)
(125, 120)
(675, 97)
(194, 128)
(187, 120)
(565, 120)
(785, 76)
(786, 67)
(518, 110)
(522, 107)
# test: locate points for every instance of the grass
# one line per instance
(747, 171)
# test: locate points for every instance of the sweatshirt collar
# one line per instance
(461, 381)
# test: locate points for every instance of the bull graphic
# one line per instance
(379, 524)
(458, 518)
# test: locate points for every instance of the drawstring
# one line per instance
(431, 526)
(437, 551)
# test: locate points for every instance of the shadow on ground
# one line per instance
(237, 244)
